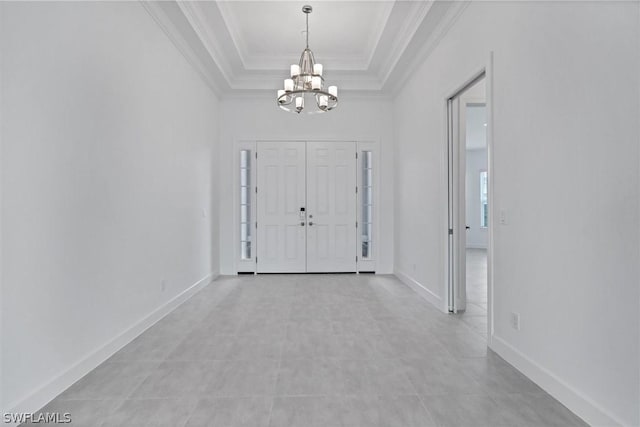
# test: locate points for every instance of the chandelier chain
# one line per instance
(307, 32)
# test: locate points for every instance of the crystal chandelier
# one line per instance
(306, 85)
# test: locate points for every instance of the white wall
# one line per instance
(565, 123)
(476, 162)
(108, 139)
(259, 118)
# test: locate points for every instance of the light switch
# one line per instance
(503, 217)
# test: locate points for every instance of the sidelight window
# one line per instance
(245, 204)
(367, 205)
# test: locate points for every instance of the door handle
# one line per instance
(310, 223)
(301, 224)
(468, 228)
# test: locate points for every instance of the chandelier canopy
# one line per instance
(304, 91)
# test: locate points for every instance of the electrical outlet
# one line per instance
(515, 321)
(163, 285)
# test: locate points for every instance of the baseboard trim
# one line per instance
(474, 246)
(46, 392)
(574, 400)
(420, 289)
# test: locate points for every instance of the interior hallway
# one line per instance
(309, 350)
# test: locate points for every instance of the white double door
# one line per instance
(306, 207)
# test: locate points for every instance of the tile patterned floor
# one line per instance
(475, 315)
(308, 350)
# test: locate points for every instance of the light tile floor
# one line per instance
(309, 350)
(475, 315)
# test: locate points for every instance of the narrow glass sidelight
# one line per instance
(366, 228)
(245, 204)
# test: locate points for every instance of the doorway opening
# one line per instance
(469, 204)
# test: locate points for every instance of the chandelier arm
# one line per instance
(310, 91)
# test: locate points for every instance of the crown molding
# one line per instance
(272, 80)
(195, 16)
(281, 62)
(381, 22)
(167, 25)
(419, 11)
(452, 14)
(233, 29)
(253, 62)
(269, 94)
(186, 25)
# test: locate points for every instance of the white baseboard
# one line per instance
(46, 392)
(420, 289)
(474, 246)
(579, 404)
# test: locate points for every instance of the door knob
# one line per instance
(310, 222)
(302, 224)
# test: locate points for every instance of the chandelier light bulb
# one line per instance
(281, 99)
(295, 70)
(299, 103)
(323, 101)
(333, 90)
(316, 83)
(317, 69)
(288, 85)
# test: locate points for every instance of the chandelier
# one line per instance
(305, 88)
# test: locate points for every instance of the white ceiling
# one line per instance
(364, 45)
(269, 35)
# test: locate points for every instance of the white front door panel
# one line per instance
(331, 207)
(320, 178)
(281, 231)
